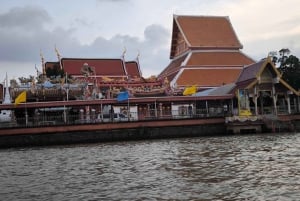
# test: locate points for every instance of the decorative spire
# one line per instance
(138, 56)
(124, 63)
(57, 53)
(43, 62)
(7, 94)
(124, 53)
(138, 63)
(58, 57)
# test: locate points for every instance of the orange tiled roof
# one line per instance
(208, 31)
(208, 77)
(207, 59)
(105, 67)
(173, 67)
(205, 32)
(230, 58)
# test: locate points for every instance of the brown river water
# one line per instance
(235, 167)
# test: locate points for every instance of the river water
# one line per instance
(236, 167)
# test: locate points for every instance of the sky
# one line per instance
(105, 28)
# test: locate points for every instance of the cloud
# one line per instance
(25, 43)
(113, 0)
(102, 31)
(153, 49)
(24, 17)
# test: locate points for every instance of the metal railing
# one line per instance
(43, 119)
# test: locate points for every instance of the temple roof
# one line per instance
(208, 59)
(132, 68)
(103, 67)
(219, 58)
(213, 77)
(51, 64)
(173, 67)
(250, 72)
(204, 32)
(251, 75)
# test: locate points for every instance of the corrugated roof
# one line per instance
(219, 91)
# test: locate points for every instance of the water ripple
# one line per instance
(249, 167)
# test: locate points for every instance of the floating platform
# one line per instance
(244, 124)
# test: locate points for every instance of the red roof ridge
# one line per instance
(208, 16)
(73, 58)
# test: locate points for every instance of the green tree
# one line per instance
(290, 69)
(24, 80)
(288, 65)
(278, 61)
(54, 72)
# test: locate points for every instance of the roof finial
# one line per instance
(57, 53)
(138, 63)
(43, 62)
(124, 52)
(138, 55)
(58, 57)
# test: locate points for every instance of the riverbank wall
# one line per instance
(108, 132)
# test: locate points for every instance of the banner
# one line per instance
(21, 98)
(122, 96)
(190, 90)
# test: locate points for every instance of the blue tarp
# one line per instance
(47, 84)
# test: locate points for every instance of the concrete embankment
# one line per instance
(105, 132)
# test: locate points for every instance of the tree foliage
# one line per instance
(24, 80)
(54, 72)
(289, 66)
(290, 69)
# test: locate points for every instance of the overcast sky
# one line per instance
(103, 28)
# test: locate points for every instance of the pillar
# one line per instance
(255, 105)
(289, 104)
(274, 99)
(255, 100)
(298, 100)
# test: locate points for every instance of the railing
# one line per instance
(280, 110)
(42, 120)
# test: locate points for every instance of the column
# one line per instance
(255, 104)
(274, 100)
(298, 101)
(289, 103)
(255, 100)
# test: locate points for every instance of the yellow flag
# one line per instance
(190, 90)
(21, 98)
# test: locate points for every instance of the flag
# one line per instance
(123, 96)
(190, 90)
(21, 98)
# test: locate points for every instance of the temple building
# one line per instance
(263, 91)
(105, 78)
(205, 52)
